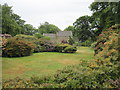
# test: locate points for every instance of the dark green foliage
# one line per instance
(83, 29)
(86, 43)
(9, 25)
(71, 41)
(28, 29)
(105, 14)
(47, 28)
(17, 48)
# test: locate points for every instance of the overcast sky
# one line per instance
(61, 13)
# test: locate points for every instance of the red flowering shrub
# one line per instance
(17, 48)
(107, 47)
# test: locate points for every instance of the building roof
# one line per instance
(64, 33)
(49, 34)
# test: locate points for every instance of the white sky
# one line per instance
(61, 13)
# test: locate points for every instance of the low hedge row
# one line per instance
(25, 45)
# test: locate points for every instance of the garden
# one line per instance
(82, 69)
(89, 59)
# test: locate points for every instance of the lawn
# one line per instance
(44, 63)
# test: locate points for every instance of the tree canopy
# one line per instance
(47, 28)
(13, 24)
(105, 15)
(83, 28)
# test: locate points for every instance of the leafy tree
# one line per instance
(69, 28)
(83, 28)
(11, 23)
(47, 28)
(28, 29)
(0, 18)
(105, 15)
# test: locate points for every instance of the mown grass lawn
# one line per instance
(43, 64)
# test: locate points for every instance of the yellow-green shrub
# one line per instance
(70, 49)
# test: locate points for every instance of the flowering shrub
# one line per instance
(103, 73)
(107, 47)
(42, 44)
(17, 48)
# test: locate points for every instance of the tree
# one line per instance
(105, 15)
(0, 18)
(83, 28)
(47, 28)
(29, 29)
(70, 28)
(11, 23)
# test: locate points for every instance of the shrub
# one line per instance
(70, 49)
(42, 44)
(66, 48)
(19, 83)
(26, 37)
(17, 48)
(38, 35)
(93, 45)
(104, 73)
(107, 47)
(61, 47)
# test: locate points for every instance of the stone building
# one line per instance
(59, 36)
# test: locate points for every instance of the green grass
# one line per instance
(44, 63)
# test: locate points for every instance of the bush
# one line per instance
(61, 47)
(42, 44)
(19, 83)
(93, 45)
(70, 49)
(107, 47)
(38, 35)
(103, 73)
(17, 48)
(26, 37)
(65, 48)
